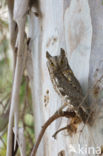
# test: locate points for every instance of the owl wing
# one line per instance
(68, 89)
(68, 74)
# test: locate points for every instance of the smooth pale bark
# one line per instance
(63, 24)
(36, 85)
(96, 69)
(68, 25)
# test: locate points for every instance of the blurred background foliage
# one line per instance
(6, 79)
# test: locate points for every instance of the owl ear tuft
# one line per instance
(47, 55)
(62, 52)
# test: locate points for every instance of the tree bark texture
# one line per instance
(70, 25)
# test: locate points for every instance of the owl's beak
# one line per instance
(48, 55)
(62, 52)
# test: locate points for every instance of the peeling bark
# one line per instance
(60, 24)
(18, 16)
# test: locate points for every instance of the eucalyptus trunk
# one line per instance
(75, 26)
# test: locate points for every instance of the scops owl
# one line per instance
(66, 84)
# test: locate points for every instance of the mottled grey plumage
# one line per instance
(66, 84)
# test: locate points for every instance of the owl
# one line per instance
(66, 84)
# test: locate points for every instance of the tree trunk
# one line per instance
(67, 25)
(77, 27)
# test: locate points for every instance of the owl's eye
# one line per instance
(52, 64)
